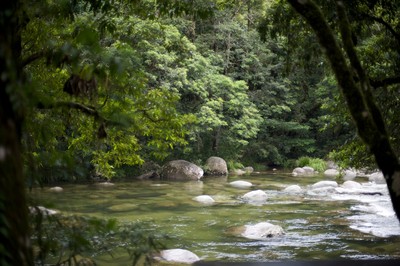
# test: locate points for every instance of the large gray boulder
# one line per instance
(216, 166)
(181, 170)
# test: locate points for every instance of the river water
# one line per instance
(324, 223)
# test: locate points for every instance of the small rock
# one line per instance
(236, 172)
(241, 184)
(105, 184)
(377, 177)
(255, 196)
(205, 199)
(248, 169)
(179, 255)
(293, 189)
(349, 184)
(56, 189)
(331, 173)
(308, 170)
(349, 174)
(322, 184)
(298, 171)
(262, 231)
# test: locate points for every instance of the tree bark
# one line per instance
(356, 89)
(15, 246)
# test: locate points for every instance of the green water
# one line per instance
(316, 226)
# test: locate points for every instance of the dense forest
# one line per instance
(118, 86)
(104, 88)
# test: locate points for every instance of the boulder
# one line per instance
(241, 184)
(248, 169)
(377, 177)
(349, 184)
(293, 189)
(205, 199)
(178, 255)
(255, 196)
(349, 174)
(181, 170)
(323, 184)
(309, 170)
(216, 166)
(262, 231)
(331, 173)
(298, 171)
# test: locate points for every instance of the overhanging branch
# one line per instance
(88, 110)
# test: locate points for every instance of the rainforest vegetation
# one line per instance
(102, 88)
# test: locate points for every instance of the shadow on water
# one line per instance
(319, 225)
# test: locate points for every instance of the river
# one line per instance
(325, 223)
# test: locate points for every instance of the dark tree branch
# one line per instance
(385, 82)
(380, 20)
(88, 110)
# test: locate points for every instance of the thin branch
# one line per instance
(385, 82)
(148, 116)
(32, 58)
(88, 110)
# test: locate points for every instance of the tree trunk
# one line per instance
(355, 87)
(14, 234)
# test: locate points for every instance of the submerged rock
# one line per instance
(104, 184)
(238, 172)
(205, 199)
(178, 255)
(262, 230)
(122, 207)
(241, 184)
